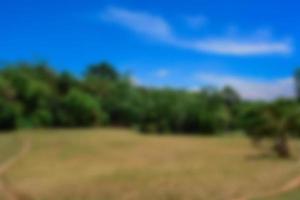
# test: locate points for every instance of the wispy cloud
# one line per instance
(139, 22)
(158, 28)
(251, 88)
(242, 47)
(162, 73)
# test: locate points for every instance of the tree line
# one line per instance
(35, 95)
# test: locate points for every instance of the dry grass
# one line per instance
(116, 164)
(293, 195)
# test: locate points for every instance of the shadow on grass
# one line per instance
(269, 156)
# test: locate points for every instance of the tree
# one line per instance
(80, 109)
(10, 114)
(254, 122)
(65, 82)
(230, 96)
(297, 82)
(7, 91)
(274, 120)
(104, 71)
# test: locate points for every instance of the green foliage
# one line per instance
(42, 118)
(65, 82)
(79, 109)
(297, 82)
(10, 114)
(33, 95)
(7, 91)
(275, 120)
(257, 121)
(103, 71)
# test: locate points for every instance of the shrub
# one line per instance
(80, 109)
(10, 114)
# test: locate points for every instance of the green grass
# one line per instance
(118, 164)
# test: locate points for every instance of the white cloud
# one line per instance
(162, 73)
(157, 28)
(139, 22)
(242, 47)
(250, 88)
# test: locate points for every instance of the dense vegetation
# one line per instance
(34, 95)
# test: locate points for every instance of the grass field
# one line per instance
(117, 164)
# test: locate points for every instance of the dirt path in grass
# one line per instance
(289, 186)
(6, 188)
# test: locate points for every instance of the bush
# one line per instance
(42, 118)
(10, 114)
(80, 109)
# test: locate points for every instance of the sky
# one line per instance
(251, 45)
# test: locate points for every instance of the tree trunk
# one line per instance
(281, 146)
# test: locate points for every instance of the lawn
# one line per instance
(120, 164)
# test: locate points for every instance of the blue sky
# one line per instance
(251, 45)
